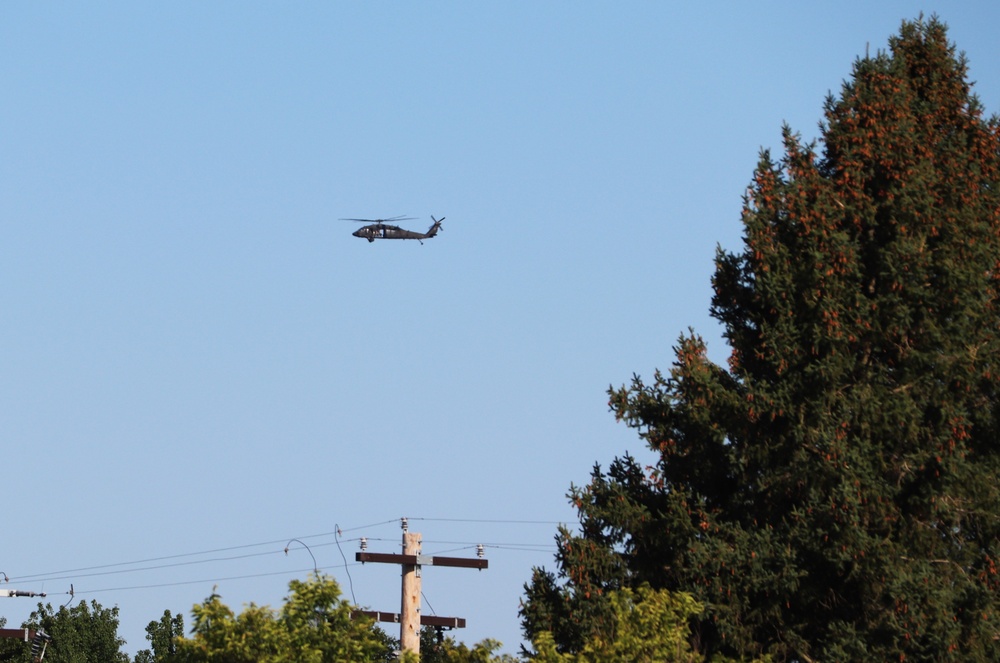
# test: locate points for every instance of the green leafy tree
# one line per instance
(163, 636)
(648, 626)
(834, 492)
(84, 633)
(313, 626)
(435, 647)
(9, 648)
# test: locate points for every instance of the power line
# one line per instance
(103, 570)
(463, 545)
(485, 543)
(379, 524)
(162, 558)
(48, 577)
(350, 581)
(181, 583)
(492, 521)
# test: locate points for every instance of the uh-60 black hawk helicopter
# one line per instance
(382, 229)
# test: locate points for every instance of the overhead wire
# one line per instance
(493, 521)
(315, 567)
(25, 578)
(116, 568)
(47, 577)
(350, 581)
(63, 575)
(180, 583)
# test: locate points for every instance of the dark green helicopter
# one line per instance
(382, 229)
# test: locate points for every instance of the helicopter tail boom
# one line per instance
(433, 230)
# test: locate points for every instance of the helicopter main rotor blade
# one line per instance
(389, 220)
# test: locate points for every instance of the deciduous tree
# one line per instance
(163, 636)
(83, 633)
(647, 626)
(313, 626)
(435, 647)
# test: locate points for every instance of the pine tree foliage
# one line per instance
(834, 492)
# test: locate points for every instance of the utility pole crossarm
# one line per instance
(425, 620)
(421, 560)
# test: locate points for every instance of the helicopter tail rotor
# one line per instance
(436, 227)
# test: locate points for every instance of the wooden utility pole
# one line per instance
(409, 607)
(409, 617)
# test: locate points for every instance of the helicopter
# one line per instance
(381, 229)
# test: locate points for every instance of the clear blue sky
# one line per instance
(197, 355)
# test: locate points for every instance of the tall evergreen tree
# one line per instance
(834, 492)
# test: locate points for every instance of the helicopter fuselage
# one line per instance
(384, 231)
